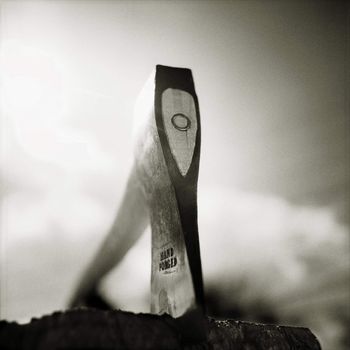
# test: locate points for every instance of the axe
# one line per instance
(162, 190)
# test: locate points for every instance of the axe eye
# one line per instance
(181, 122)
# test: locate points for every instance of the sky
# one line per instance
(272, 82)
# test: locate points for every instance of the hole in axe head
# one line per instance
(181, 122)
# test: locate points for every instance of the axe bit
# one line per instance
(162, 188)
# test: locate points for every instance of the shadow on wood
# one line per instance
(96, 329)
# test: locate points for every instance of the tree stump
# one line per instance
(96, 329)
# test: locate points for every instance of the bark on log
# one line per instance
(96, 329)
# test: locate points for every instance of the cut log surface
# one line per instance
(95, 329)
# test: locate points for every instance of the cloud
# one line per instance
(266, 233)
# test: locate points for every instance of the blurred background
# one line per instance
(272, 79)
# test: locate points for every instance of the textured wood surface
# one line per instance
(95, 329)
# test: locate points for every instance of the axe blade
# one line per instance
(162, 187)
(167, 160)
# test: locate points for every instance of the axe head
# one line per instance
(167, 159)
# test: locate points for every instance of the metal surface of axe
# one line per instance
(162, 189)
